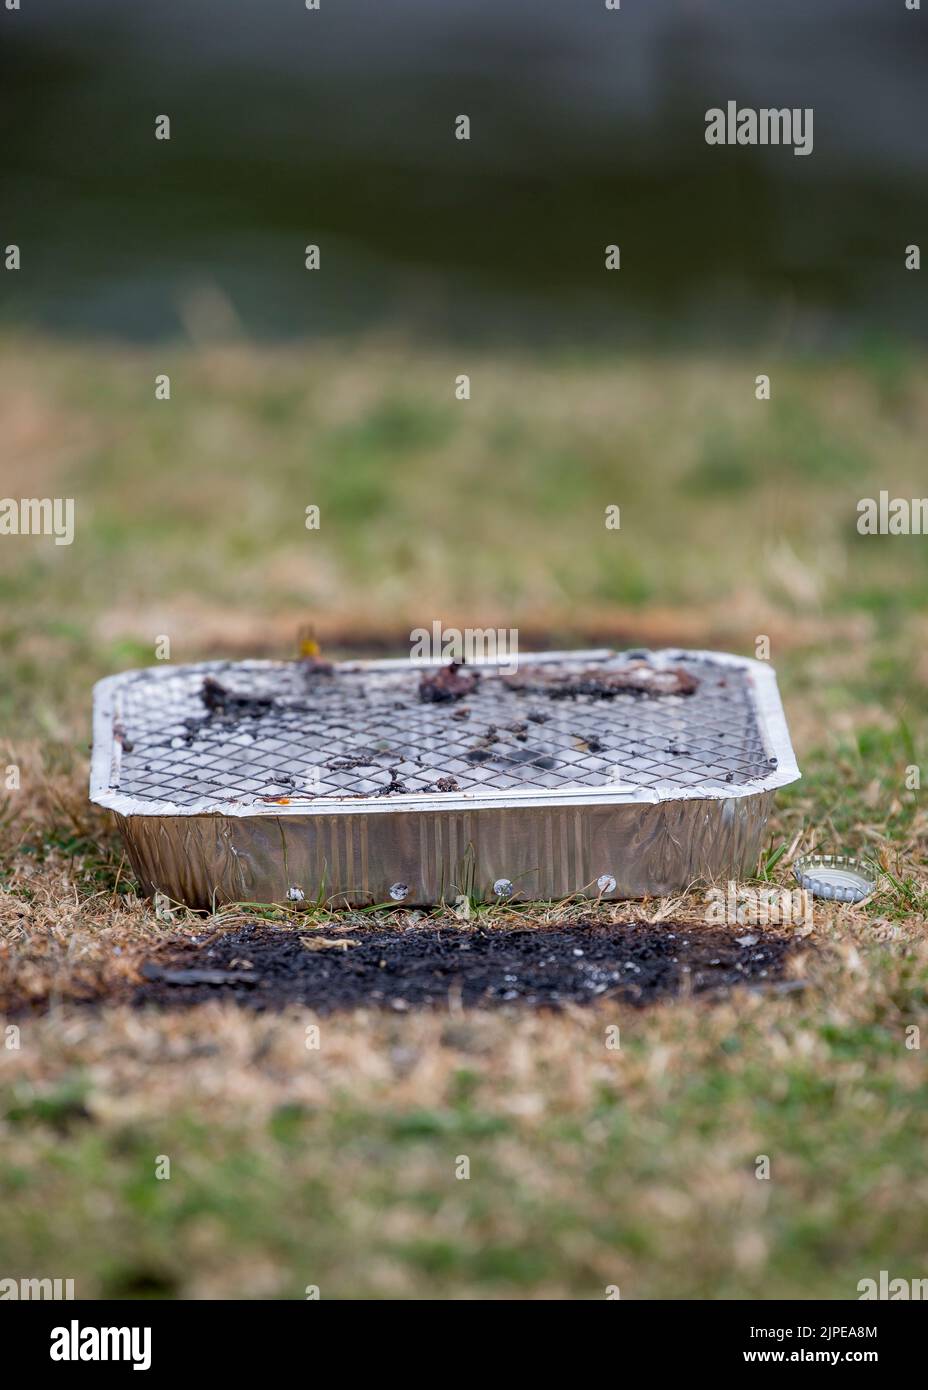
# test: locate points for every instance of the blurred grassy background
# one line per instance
(738, 517)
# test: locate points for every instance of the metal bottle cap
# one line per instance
(841, 877)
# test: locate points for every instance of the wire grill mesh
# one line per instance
(294, 735)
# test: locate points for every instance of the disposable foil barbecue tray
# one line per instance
(596, 773)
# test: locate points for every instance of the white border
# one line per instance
(106, 759)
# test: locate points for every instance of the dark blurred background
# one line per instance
(336, 127)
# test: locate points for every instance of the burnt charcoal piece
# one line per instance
(347, 763)
(219, 700)
(152, 971)
(450, 683)
(395, 787)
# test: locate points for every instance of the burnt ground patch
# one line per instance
(263, 967)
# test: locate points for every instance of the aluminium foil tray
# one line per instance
(345, 787)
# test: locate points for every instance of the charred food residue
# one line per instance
(634, 678)
(218, 699)
(449, 683)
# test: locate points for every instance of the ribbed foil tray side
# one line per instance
(544, 852)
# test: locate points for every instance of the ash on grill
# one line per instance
(305, 731)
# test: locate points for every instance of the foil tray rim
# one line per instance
(107, 750)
